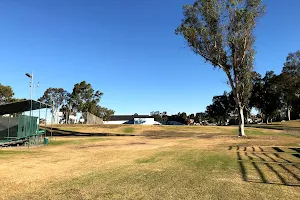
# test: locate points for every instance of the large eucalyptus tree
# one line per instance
(221, 31)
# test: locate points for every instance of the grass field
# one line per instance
(182, 131)
(161, 163)
(288, 125)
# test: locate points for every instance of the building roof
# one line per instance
(21, 106)
(127, 117)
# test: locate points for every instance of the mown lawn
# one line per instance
(287, 125)
(180, 131)
(205, 165)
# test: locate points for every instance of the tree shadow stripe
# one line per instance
(273, 170)
(261, 175)
(290, 172)
(261, 149)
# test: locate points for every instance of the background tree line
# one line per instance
(276, 97)
(82, 99)
(7, 94)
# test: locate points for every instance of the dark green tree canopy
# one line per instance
(104, 113)
(290, 81)
(221, 107)
(201, 116)
(84, 98)
(266, 94)
(6, 94)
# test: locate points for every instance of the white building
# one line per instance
(131, 119)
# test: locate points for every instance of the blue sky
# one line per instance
(126, 49)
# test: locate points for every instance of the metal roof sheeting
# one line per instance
(22, 106)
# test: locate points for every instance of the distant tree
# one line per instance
(105, 113)
(6, 94)
(55, 97)
(182, 118)
(156, 115)
(266, 95)
(221, 31)
(191, 116)
(290, 81)
(67, 110)
(199, 117)
(17, 99)
(221, 107)
(84, 98)
(164, 117)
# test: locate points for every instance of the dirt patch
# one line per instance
(136, 143)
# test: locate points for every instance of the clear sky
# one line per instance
(126, 49)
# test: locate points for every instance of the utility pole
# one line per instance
(31, 89)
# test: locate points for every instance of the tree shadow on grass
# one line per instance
(261, 165)
(58, 132)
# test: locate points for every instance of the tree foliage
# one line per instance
(6, 94)
(221, 31)
(84, 98)
(221, 107)
(55, 97)
(290, 81)
(266, 94)
(104, 113)
(200, 116)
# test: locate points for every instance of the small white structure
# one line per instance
(115, 122)
(149, 121)
(131, 119)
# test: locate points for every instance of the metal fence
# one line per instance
(18, 127)
(93, 119)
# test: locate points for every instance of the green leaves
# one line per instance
(55, 97)
(6, 94)
(84, 98)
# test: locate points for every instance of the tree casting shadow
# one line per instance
(268, 166)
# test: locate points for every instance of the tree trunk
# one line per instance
(267, 120)
(241, 122)
(289, 114)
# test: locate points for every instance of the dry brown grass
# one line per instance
(190, 167)
(153, 130)
(288, 125)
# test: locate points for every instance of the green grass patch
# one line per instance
(253, 132)
(208, 160)
(128, 130)
(63, 142)
(76, 142)
(155, 158)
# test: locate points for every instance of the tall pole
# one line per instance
(31, 85)
(31, 93)
(46, 121)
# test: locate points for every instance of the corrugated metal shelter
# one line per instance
(19, 127)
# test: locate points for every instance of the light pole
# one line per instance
(31, 90)
(31, 83)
